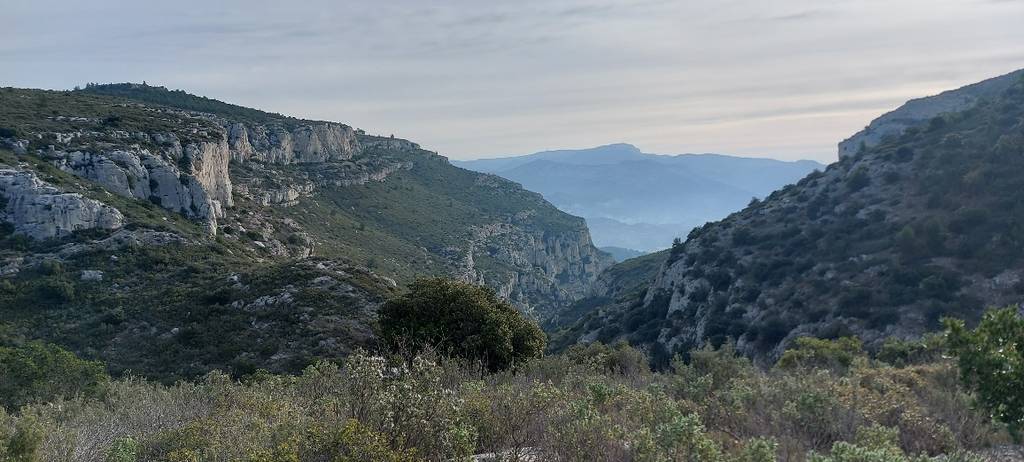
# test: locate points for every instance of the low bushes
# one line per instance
(592, 403)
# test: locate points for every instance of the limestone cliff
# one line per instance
(548, 270)
(275, 189)
(41, 210)
(196, 185)
(275, 144)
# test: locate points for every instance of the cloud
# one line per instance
(798, 16)
(471, 78)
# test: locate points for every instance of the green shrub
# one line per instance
(902, 353)
(992, 364)
(39, 372)
(812, 353)
(460, 319)
(356, 443)
(123, 450)
(23, 444)
(620, 358)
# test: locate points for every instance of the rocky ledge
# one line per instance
(40, 210)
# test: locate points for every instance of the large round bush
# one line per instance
(461, 320)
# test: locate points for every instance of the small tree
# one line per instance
(991, 360)
(463, 320)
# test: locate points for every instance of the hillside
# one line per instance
(916, 111)
(172, 234)
(642, 201)
(882, 243)
(621, 253)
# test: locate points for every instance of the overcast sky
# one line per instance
(470, 78)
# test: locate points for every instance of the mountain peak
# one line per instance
(616, 147)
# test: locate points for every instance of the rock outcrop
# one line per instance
(916, 111)
(387, 143)
(549, 270)
(274, 144)
(40, 210)
(197, 185)
(303, 184)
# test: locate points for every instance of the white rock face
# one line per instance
(39, 210)
(209, 162)
(549, 266)
(190, 176)
(198, 186)
(321, 142)
(282, 195)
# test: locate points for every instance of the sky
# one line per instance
(786, 79)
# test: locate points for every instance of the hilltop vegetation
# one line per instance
(182, 100)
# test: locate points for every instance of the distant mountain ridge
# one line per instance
(642, 201)
(621, 254)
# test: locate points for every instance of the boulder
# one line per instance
(40, 210)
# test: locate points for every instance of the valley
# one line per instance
(185, 279)
(641, 201)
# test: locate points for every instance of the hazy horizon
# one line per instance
(782, 79)
(642, 150)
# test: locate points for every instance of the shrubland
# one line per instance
(827, 400)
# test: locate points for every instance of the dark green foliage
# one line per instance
(742, 236)
(991, 360)
(858, 180)
(38, 372)
(111, 121)
(461, 319)
(178, 321)
(24, 441)
(770, 330)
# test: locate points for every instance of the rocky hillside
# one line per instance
(144, 227)
(916, 111)
(924, 224)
